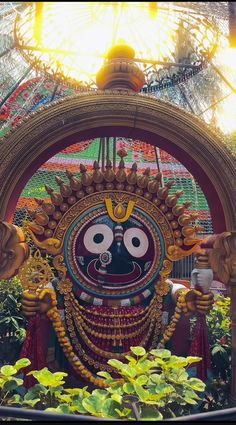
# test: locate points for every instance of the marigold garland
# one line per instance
(181, 306)
(155, 323)
(54, 317)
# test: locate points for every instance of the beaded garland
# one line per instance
(73, 314)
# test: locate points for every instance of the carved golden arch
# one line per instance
(113, 113)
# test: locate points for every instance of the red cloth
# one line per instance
(35, 347)
(200, 347)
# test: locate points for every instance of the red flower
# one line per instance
(223, 340)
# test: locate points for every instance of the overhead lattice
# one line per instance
(205, 94)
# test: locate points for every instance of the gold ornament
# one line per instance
(35, 272)
(119, 215)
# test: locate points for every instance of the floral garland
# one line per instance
(162, 289)
(54, 317)
(181, 306)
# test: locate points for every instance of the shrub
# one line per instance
(12, 321)
(157, 380)
(219, 325)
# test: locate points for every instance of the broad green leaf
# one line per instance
(189, 393)
(32, 403)
(132, 360)
(108, 409)
(77, 408)
(117, 398)
(59, 375)
(66, 398)
(217, 349)
(36, 391)
(141, 392)
(178, 376)
(93, 404)
(176, 362)
(15, 399)
(196, 384)
(150, 414)
(129, 371)
(128, 388)
(189, 400)
(138, 351)
(146, 365)
(191, 359)
(162, 353)
(90, 405)
(125, 413)
(51, 410)
(8, 370)
(63, 408)
(159, 362)
(100, 394)
(12, 384)
(49, 379)
(105, 375)
(77, 391)
(157, 379)
(164, 389)
(142, 379)
(20, 364)
(116, 364)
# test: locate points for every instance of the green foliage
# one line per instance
(158, 381)
(219, 325)
(9, 382)
(12, 321)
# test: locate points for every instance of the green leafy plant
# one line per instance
(157, 380)
(219, 325)
(9, 381)
(12, 321)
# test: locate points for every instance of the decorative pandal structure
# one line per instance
(179, 44)
(113, 236)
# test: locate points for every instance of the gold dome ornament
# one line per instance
(120, 70)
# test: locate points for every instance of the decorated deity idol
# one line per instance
(112, 237)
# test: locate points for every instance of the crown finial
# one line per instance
(120, 71)
(75, 183)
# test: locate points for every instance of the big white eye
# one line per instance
(136, 242)
(98, 238)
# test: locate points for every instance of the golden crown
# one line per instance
(181, 222)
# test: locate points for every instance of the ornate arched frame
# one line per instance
(120, 113)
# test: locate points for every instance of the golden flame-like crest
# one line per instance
(180, 222)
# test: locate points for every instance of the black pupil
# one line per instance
(98, 238)
(136, 242)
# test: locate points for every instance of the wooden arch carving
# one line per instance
(120, 113)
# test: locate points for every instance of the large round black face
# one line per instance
(114, 259)
(114, 255)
